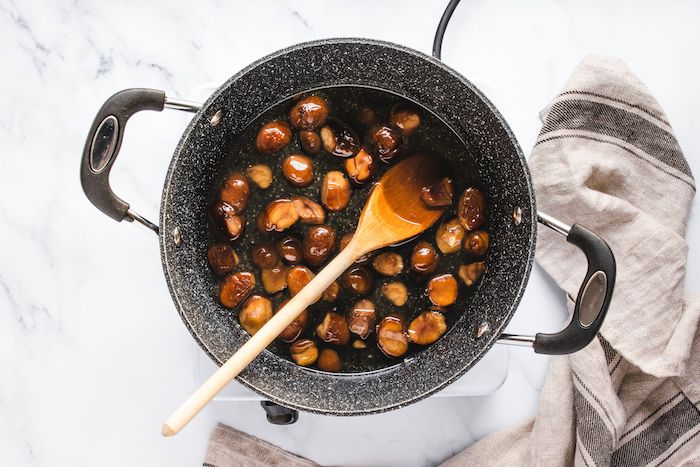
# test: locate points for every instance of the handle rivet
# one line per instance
(216, 118)
(177, 236)
(481, 329)
(517, 215)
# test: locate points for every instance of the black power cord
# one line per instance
(440, 33)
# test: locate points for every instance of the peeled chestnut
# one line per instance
(223, 217)
(264, 255)
(309, 113)
(255, 313)
(236, 287)
(437, 195)
(289, 248)
(358, 279)
(331, 293)
(222, 258)
(396, 293)
(391, 338)
(310, 141)
(477, 243)
(339, 139)
(304, 352)
(298, 170)
(335, 191)
(442, 290)
(388, 263)
(472, 208)
(386, 142)
(280, 215)
(329, 360)
(333, 329)
(319, 243)
(296, 327)
(470, 273)
(359, 344)
(297, 278)
(274, 279)
(360, 167)
(449, 235)
(263, 223)
(235, 192)
(261, 175)
(362, 318)
(406, 118)
(424, 258)
(427, 327)
(273, 137)
(310, 212)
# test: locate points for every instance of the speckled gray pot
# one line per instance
(386, 66)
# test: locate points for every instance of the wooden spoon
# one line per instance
(394, 212)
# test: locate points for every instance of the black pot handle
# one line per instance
(593, 297)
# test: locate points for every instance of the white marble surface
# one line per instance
(92, 353)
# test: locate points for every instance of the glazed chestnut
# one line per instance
(263, 223)
(424, 258)
(406, 118)
(297, 278)
(391, 338)
(331, 293)
(235, 192)
(296, 327)
(367, 117)
(386, 142)
(344, 240)
(273, 137)
(235, 288)
(304, 352)
(335, 191)
(310, 141)
(289, 248)
(470, 273)
(361, 167)
(298, 170)
(309, 113)
(280, 215)
(472, 208)
(264, 255)
(333, 329)
(255, 313)
(222, 259)
(358, 279)
(477, 243)
(339, 139)
(437, 195)
(225, 220)
(362, 318)
(442, 290)
(388, 263)
(427, 327)
(309, 211)
(329, 360)
(274, 279)
(396, 293)
(319, 243)
(449, 235)
(261, 175)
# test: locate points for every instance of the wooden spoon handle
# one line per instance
(258, 342)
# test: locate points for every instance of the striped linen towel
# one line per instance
(607, 159)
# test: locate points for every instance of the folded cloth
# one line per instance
(607, 158)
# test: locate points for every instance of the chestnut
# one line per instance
(236, 287)
(222, 258)
(309, 113)
(476, 243)
(391, 338)
(304, 352)
(406, 118)
(289, 248)
(263, 223)
(223, 217)
(319, 243)
(273, 137)
(358, 279)
(329, 360)
(298, 170)
(449, 235)
(331, 293)
(388, 263)
(297, 278)
(274, 279)
(296, 327)
(233, 226)
(396, 293)
(310, 212)
(280, 215)
(362, 318)
(470, 273)
(255, 313)
(335, 191)
(310, 141)
(235, 192)
(333, 329)
(264, 255)
(442, 290)
(437, 195)
(386, 142)
(339, 139)
(361, 167)
(427, 327)
(424, 258)
(261, 175)
(367, 116)
(359, 344)
(472, 208)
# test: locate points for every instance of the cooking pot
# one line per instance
(495, 154)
